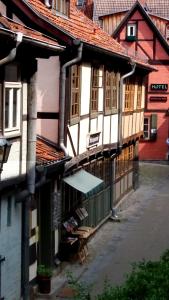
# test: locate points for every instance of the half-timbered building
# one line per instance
(20, 46)
(142, 27)
(93, 110)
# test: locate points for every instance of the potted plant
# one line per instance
(44, 275)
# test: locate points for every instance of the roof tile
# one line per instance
(81, 27)
(27, 32)
(103, 7)
(47, 153)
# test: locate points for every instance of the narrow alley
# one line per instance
(141, 234)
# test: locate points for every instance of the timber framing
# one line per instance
(138, 6)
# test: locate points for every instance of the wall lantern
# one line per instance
(5, 147)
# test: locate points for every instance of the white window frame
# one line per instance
(129, 26)
(148, 129)
(61, 7)
(12, 129)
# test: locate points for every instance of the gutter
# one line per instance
(121, 97)
(62, 94)
(106, 51)
(33, 41)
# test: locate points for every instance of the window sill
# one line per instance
(60, 14)
(93, 115)
(113, 111)
(10, 135)
(74, 121)
(131, 38)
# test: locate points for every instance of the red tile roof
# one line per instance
(105, 7)
(81, 27)
(47, 153)
(6, 23)
(78, 26)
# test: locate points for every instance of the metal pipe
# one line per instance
(11, 56)
(31, 173)
(121, 96)
(62, 95)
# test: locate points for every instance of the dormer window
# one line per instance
(61, 7)
(131, 32)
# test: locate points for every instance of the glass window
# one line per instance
(146, 128)
(111, 91)
(12, 101)
(75, 91)
(139, 92)
(61, 6)
(131, 30)
(129, 94)
(96, 83)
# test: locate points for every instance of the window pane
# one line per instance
(12, 108)
(146, 128)
(75, 91)
(15, 107)
(7, 108)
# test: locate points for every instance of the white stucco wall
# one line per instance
(12, 167)
(114, 128)
(84, 126)
(85, 89)
(48, 96)
(2, 8)
(74, 136)
(10, 248)
(107, 122)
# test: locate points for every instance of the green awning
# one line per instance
(84, 182)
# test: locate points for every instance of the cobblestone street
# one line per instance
(142, 233)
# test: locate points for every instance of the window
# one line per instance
(131, 32)
(146, 128)
(61, 6)
(97, 78)
(129, 94)
(12, 100)
(75, 91)
(139, 92)
(124, 161)
(150, 127)
(130, 156)
(111, 91)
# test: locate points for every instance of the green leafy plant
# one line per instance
(148, 280)
(82, 290)
(42, 270)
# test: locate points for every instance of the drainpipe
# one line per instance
(114, 215)
(62, 94)
(121, 96)
(31, 173)
(11, 56)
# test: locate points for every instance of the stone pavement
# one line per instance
(142, 234)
